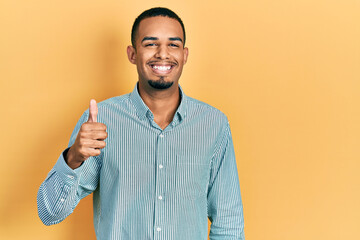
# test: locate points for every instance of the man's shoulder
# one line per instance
(114, 101)
(200, 108)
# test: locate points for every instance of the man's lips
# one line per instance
(161, 68)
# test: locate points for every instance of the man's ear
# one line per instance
(186, 54)
(131, 52)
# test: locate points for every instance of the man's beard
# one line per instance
(160, 84)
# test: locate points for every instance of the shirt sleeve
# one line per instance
(63, 187)
(225, 210)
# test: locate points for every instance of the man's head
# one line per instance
(154, 12)
(158, 49)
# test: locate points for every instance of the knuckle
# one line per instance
(81, 135)
(97, 152)
(84, 126)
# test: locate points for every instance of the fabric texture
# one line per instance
(150, 183)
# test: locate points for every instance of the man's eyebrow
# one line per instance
(149, 39)
(155, 38)
(175, 39)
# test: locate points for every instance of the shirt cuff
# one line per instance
(68, 175)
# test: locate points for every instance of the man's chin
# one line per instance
(160, 84)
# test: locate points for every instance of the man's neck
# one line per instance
(162, 103)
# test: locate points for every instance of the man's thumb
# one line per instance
(93, 111)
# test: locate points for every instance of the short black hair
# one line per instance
(154, 12)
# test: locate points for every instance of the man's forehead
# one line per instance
(160, 25)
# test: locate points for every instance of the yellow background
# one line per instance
(286, 73)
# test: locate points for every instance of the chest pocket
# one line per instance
(192, 176)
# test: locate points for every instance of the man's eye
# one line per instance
(173, 45)
(150, 44)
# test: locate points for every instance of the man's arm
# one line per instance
(225, 209)
(70, 181)
(62, 190)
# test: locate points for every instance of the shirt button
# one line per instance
(71, 177)
(62, 200)
(161, 166)
(158, 229)
(160, 197)
(161, 135)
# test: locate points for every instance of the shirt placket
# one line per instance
(159, 224)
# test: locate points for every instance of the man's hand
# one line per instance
(89, 140)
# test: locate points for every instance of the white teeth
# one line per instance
(162, 68)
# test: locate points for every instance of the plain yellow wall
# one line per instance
(286, 73)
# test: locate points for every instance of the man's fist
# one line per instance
(89, 140)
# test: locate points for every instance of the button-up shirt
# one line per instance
(150, 183)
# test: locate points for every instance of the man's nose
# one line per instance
(162, 52)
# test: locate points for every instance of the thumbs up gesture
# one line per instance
(89, 140)
(93, 111)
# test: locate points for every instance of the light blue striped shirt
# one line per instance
(150, 183)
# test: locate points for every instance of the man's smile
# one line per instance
(161, 68)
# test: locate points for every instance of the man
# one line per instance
(159, 162)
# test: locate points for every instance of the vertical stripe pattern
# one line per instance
(150, 183)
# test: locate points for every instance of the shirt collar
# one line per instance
(182, 109)
(142, 109)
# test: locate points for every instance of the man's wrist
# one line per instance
(65, 152)
(69, 159)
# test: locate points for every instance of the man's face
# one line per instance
(160, 53)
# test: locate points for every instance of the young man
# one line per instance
(159, 162)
